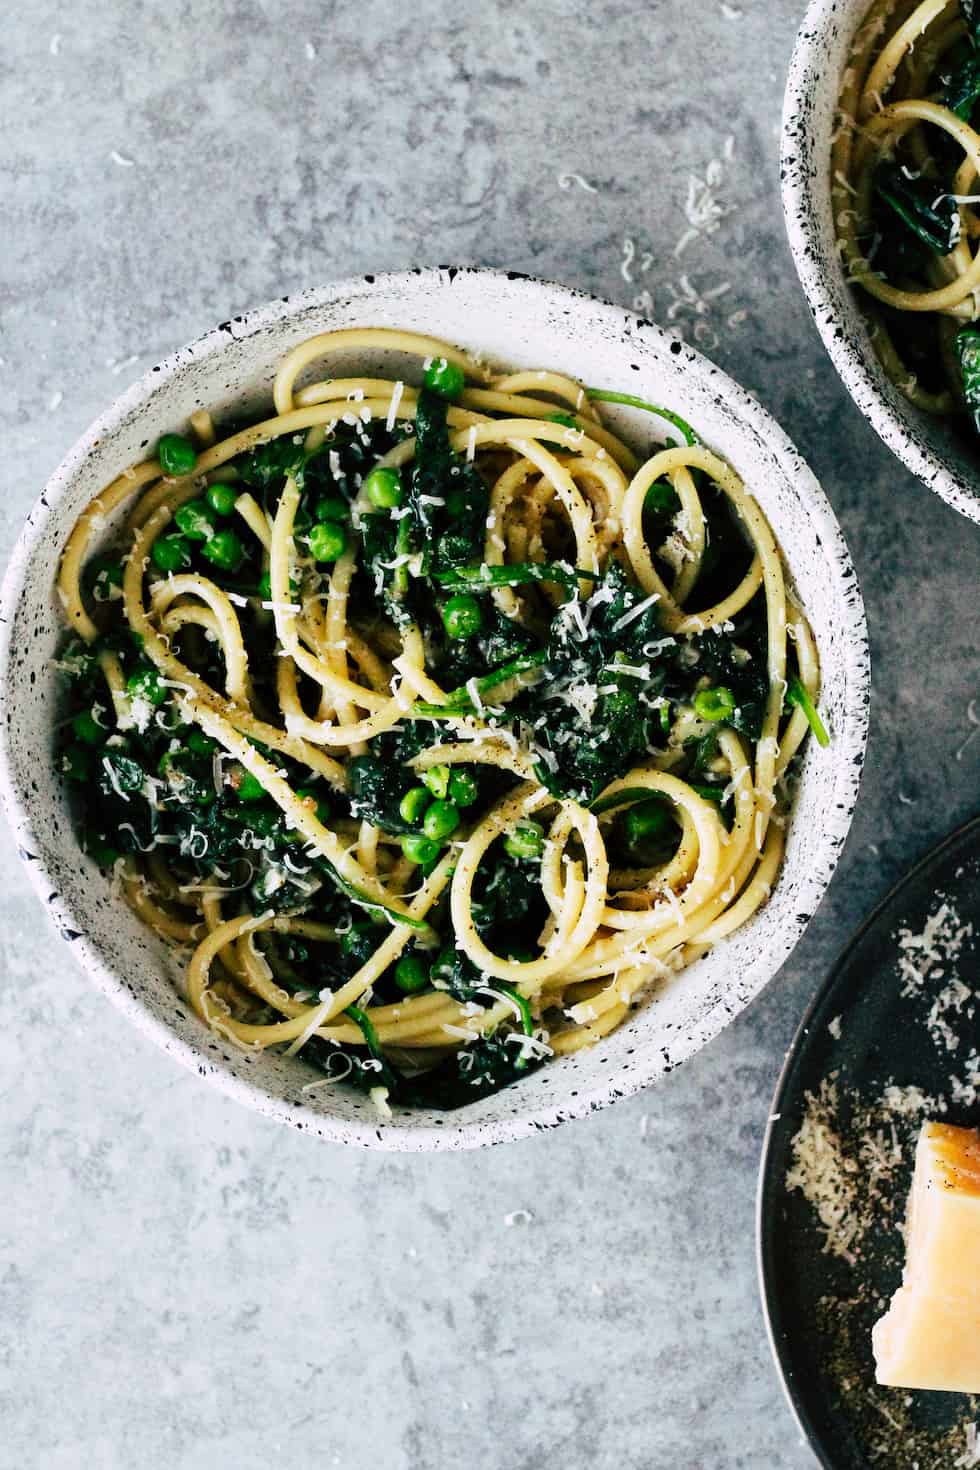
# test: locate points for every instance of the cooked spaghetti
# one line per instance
(433, 726)
(904, 189)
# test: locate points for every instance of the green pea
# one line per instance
(410, 974)
(225, 550)
(246, 786)
(87, 728)
(463, 787)
(200, 744)
(77, 763)
(461, 616)
(328, 540)
(436, 780)
(526, 840)
(331, 508)
(383, 487)
(441, 820)
(419, 849)
(445, 378)
(714, 704)
(171, 553)
(222, 498)
(413, 804)
(646, 820)
(196, 519)
(145, 684)
(310, 798)
(176, 455)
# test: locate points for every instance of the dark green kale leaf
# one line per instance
(358, 1068)
(922, 205)
(446, 495)
(591, 722)
(79, 664)
(748, 679)
(441, 521)
(376, 788)
(432, 468)
(500, 640)
(507, 899)
(456, 973)
(475, 1071)
(120, 774)
(267, 465)
(962, 88)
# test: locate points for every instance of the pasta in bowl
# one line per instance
(879, 167)
(438, 728)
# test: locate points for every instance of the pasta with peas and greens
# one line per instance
(435, 727)
(905, 192)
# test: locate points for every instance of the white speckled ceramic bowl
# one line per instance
(525, 323)
(923, 443)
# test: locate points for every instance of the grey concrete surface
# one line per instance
(183, 1284)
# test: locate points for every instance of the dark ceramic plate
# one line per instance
(886, 1017)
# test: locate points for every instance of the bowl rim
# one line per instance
(822, 279)
(425, 1137)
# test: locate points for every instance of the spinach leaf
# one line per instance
(968, 353)
(922, 205)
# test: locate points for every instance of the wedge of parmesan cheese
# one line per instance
(930, 1335)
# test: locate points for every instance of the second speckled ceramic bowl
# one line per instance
(923, 443)
(516, 321)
